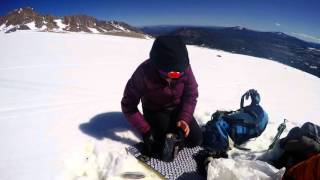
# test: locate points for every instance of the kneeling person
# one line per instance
(168, 90)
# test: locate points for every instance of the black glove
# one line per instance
(148, 141)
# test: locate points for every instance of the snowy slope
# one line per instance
(60, 100)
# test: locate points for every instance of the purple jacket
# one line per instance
(157, 94)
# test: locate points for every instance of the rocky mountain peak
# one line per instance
(81, 22)
(21, 16)
(27, 19)
(24, 10)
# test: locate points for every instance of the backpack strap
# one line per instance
(242, 122)
(248, 118)
(251, 113)
(218, 114)
(253, 94)
(232, 120)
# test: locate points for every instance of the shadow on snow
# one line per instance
(107, 125)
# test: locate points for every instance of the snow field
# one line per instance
(60, 108)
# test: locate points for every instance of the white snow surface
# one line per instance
(60, 114)
(236, 169)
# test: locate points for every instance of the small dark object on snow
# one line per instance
(143, 158)
(133, 175)
(219, 56)
(204, 157)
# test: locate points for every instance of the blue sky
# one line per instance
(300, 18)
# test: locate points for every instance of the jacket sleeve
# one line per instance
(131, 98)
(189, 97)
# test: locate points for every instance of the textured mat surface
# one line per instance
(183, 167)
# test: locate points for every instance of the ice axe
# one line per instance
(281, 128)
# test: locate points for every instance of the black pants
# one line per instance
(163, 122)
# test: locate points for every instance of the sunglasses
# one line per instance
(171, 74)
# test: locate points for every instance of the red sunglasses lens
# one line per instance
(174, 74)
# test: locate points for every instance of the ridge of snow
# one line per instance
(6, 28)
(2, 26)
(313, 49)
(60, 24)
(104, 30)
(32, 25)
(43, 27)
(119, 27)
(19, 10)
(313, 67)
(239, 27)
(93, 30)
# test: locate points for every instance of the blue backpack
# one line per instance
(241, 125)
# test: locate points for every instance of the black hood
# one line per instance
(169, 53)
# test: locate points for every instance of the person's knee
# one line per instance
(195, 137)
(194, 141)
(192, 144)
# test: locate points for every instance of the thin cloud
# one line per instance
(307, 37)
(277, 24)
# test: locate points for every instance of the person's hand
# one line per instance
(148, 141)
(184, 126)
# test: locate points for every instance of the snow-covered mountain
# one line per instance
(27, 19)
(60, 115)
(275, 46)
